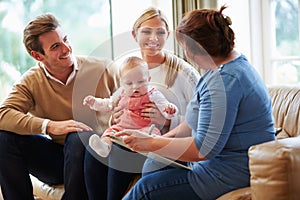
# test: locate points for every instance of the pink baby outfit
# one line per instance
(132, 108)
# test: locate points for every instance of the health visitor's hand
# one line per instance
(65, 127)
(136, 140)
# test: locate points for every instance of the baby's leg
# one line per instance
(99, 145)
(102, 145)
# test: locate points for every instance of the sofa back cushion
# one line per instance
(286, 110)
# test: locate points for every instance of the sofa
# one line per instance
(274, 166)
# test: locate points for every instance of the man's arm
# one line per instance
(14, 109)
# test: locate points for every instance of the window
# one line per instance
(280, 41)
(267, 32)
(285, 50)
(87, 24)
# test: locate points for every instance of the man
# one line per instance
(48, 101)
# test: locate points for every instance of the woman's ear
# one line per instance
(133, 33)
(168, 34)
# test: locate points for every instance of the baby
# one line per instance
(135, 92)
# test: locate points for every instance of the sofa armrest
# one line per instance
(239, 194)
(275, 169)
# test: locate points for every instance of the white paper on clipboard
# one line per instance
(154, 156)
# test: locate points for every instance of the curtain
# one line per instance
(180, 7)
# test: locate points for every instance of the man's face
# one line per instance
(58, 52)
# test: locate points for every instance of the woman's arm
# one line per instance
(183, 149)
(182, 130)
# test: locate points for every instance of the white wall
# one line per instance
(123, 17)
(238, 11)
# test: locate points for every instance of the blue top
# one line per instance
(230, 111)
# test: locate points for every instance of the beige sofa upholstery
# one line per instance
(275, 166)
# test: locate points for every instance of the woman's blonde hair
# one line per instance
(150, 13)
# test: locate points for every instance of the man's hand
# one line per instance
(65, 127)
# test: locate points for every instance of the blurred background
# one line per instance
(267, 32)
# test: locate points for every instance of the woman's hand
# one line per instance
(183, 149)
(116, 112)
(136, 140)
(151, 111)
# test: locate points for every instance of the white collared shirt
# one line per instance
(71, 76)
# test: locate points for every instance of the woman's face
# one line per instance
(152, 36)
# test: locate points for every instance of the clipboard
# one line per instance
(154, 156)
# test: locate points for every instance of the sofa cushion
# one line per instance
(275, 169)
(286, 109)
(239, 194)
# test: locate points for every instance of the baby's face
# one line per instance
(135, 82)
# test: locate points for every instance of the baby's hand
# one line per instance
(89, 101)
(170, 109)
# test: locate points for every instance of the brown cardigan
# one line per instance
(36, 97)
